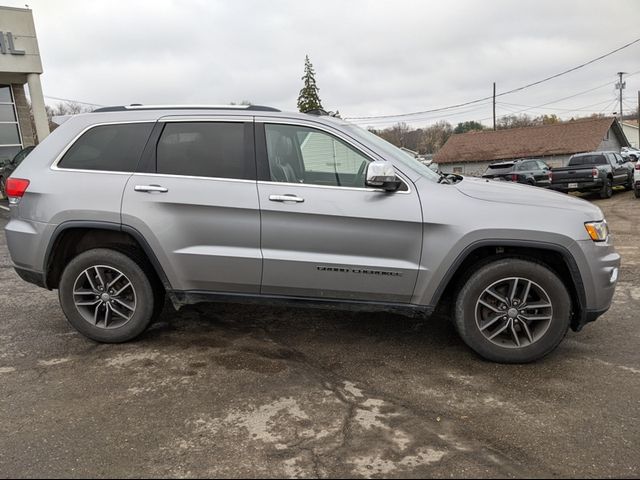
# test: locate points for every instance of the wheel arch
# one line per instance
(74, 237)
(555, 257)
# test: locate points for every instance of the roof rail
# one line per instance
(317, 111)
(138, 106)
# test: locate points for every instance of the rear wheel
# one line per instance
(3, 189)
(513, 311)
(607, 189)
(107, 296)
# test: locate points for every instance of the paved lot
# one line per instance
(222, 390)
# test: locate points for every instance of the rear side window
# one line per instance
(206, 149)
(542, 165)
(113, 148)
(499, 169)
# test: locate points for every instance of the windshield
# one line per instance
(392, 151)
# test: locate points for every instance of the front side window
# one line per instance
(300, 154)
(206, 149)
(112, 148)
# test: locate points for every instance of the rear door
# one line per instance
(620, 172)
(196, 203)
(324, 234)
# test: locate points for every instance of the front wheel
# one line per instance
(629, 185)
(513, 311)
(107, 296)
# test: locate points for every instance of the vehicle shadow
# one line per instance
(306, 330)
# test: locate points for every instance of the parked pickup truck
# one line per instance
(594, 172)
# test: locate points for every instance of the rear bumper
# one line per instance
(36, 278)
(26, 241)
(581, 186)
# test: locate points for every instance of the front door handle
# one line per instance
(151, 188)
(286, 198)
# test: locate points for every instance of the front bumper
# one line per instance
(599, 266)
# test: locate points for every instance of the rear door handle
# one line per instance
(286, 198)
(151, 188)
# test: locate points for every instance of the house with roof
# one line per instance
(630, 128)
(471, 153)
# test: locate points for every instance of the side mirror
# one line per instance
(382, 175)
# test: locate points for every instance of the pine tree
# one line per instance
(308, 98)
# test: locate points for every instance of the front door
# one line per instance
(325, 235)
(197, 204)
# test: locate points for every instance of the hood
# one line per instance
(514, 193)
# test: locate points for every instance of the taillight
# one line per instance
(594, 173)
(514, 177)
(15, 187)
(550, 176)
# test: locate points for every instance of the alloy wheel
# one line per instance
(513, 312)
(104, 296)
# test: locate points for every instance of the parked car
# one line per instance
(8, 167)
(594, 172)
(630, 153)
(431, 164)
(529, 171)
(636, 179)
(124, 206)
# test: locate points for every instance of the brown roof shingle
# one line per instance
(543, 140)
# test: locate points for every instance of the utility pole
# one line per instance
(494, 105)
(621, 86)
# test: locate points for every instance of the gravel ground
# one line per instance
(246, 391)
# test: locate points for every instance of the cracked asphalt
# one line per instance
(245, 391)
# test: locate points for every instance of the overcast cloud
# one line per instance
(371, 58)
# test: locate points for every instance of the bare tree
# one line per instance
(516, 121)
(65, 108)
(435, 136)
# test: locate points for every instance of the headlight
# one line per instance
(598, 231)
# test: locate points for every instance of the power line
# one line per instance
(582, 108)
(423, 118)
(538, 82)
(73, 101)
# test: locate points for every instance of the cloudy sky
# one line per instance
(371, 57)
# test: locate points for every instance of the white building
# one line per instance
(19, 65)
(630, 129)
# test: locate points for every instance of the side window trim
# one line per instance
(149, 163)
(262, 158)
(54, 165)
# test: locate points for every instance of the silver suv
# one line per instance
(120, 207)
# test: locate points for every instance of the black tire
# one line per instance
(3, 189)
(607, 189)
(146, 298)
(629, 185)
(551, 332)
